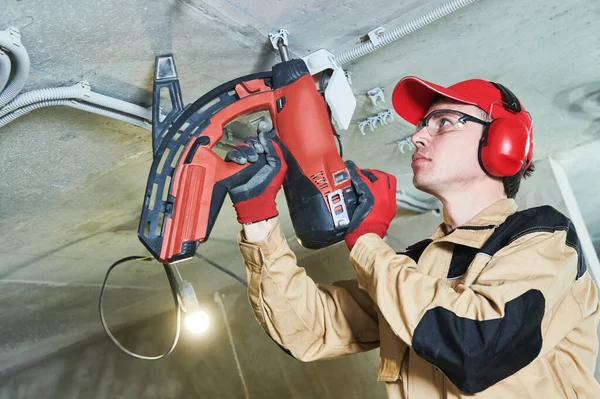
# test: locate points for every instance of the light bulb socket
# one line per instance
(188, 297)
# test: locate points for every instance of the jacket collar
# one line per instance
(476, 231)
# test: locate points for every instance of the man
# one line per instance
(496, 303)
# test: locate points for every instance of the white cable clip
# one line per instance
(406, 142)
(87, 89)
(282, 34)
(372, 122)
(385, 115)
(376, 94)
(15, 35)
(374, 36)
(361, 126)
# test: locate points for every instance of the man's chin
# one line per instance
(420, 184)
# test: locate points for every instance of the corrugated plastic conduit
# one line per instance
(391, 36)
(10, 40)
(14, 57)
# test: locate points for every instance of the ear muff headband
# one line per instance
(511, 101)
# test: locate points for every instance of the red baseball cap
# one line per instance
(412, 97)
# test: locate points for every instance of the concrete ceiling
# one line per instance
(72, 183)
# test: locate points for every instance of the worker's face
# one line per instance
(448, 161)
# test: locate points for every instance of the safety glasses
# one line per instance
(446, 120)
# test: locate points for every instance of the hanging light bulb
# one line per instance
(197, 322)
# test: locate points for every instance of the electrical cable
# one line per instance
(176, 299)
(221, 268)
(172, 284)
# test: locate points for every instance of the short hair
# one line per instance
(513, 183)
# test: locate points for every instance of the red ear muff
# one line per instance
(505, 147)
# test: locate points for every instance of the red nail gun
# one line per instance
(188, 181)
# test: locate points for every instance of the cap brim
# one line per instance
(412, 97)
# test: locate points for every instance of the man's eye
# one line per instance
(445, 122)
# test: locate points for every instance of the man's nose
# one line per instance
(421, 138)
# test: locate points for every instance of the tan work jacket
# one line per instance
(501, 307)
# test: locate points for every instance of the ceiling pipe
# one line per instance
(386, 38)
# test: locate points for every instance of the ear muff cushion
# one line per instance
(505, 152)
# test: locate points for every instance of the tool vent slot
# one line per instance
(153, 196)
(162, 161)
(159, 223)
(320, 181)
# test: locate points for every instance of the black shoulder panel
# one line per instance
(414, 251)
(541, 219)
(474, 354)
(462, 256)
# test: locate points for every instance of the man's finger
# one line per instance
(241, 154)
(266, 140)
(264, 126)
(253, 142)
(236, 156)
(249, 152)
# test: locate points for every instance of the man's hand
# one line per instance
(254, 201)
(377, 203)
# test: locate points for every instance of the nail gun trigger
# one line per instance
(201, 141)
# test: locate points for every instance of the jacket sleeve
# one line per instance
(310, 320)
(477, 334)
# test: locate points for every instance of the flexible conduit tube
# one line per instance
(122, 106)
(5, 120)
(10, 40)
(4, 69)
(403, 30)
(80, 91)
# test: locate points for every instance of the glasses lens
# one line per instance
(443, 121)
